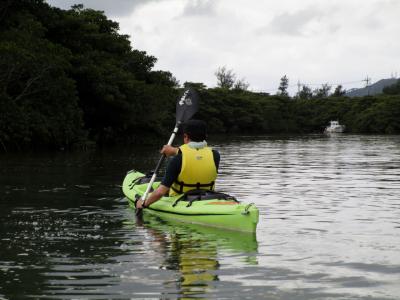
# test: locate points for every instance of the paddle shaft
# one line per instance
(162, 158)
(186, 107)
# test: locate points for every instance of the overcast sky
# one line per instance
(311, 41)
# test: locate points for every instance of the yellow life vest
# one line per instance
(198, 171)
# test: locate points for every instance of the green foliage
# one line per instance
(67, 77)
(322, 92)
(339, 91)
(231, 112)
(305, 93)
(39, 105)
(195, 85)
(283, 86)
(241, 85)
(225, 78)
(381, 116)
(360, 115)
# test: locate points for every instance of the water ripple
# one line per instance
(329, 225)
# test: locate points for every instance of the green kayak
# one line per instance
(197, 207)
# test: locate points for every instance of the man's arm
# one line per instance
(169, 150)
(154, 196)
(171, 173)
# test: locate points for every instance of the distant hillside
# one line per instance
(374, 89)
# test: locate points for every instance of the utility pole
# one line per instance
(367, 80)
(298, 88)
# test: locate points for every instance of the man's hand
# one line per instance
(153, 197)
(169, 150)
(139, 204)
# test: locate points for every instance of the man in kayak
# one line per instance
(194, 165)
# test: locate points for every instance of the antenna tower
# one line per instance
(367, 81)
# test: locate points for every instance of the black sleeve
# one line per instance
(172, 171)
(217, 158)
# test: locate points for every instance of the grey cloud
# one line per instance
(383, 5)
(199, 8)
(114, 8)
(373, 23)
(291, 23)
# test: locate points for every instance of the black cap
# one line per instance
(196, 130)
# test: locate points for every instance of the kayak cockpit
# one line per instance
(205, 207)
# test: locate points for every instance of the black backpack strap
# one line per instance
(182, 196)
(135, 182)
(199, 195)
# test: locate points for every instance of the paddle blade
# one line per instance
(187, 105)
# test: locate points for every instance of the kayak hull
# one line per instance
(222, 213)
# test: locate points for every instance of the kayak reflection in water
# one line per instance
(195, 252)
(194, 165)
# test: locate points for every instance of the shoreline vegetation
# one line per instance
(68, 79)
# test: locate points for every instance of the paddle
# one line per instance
(186, 106)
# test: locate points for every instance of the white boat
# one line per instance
(334, 127)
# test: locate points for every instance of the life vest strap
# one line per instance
(198, 186)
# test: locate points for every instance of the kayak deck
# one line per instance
(225, 213)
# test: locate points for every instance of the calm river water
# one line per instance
(329, 225)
